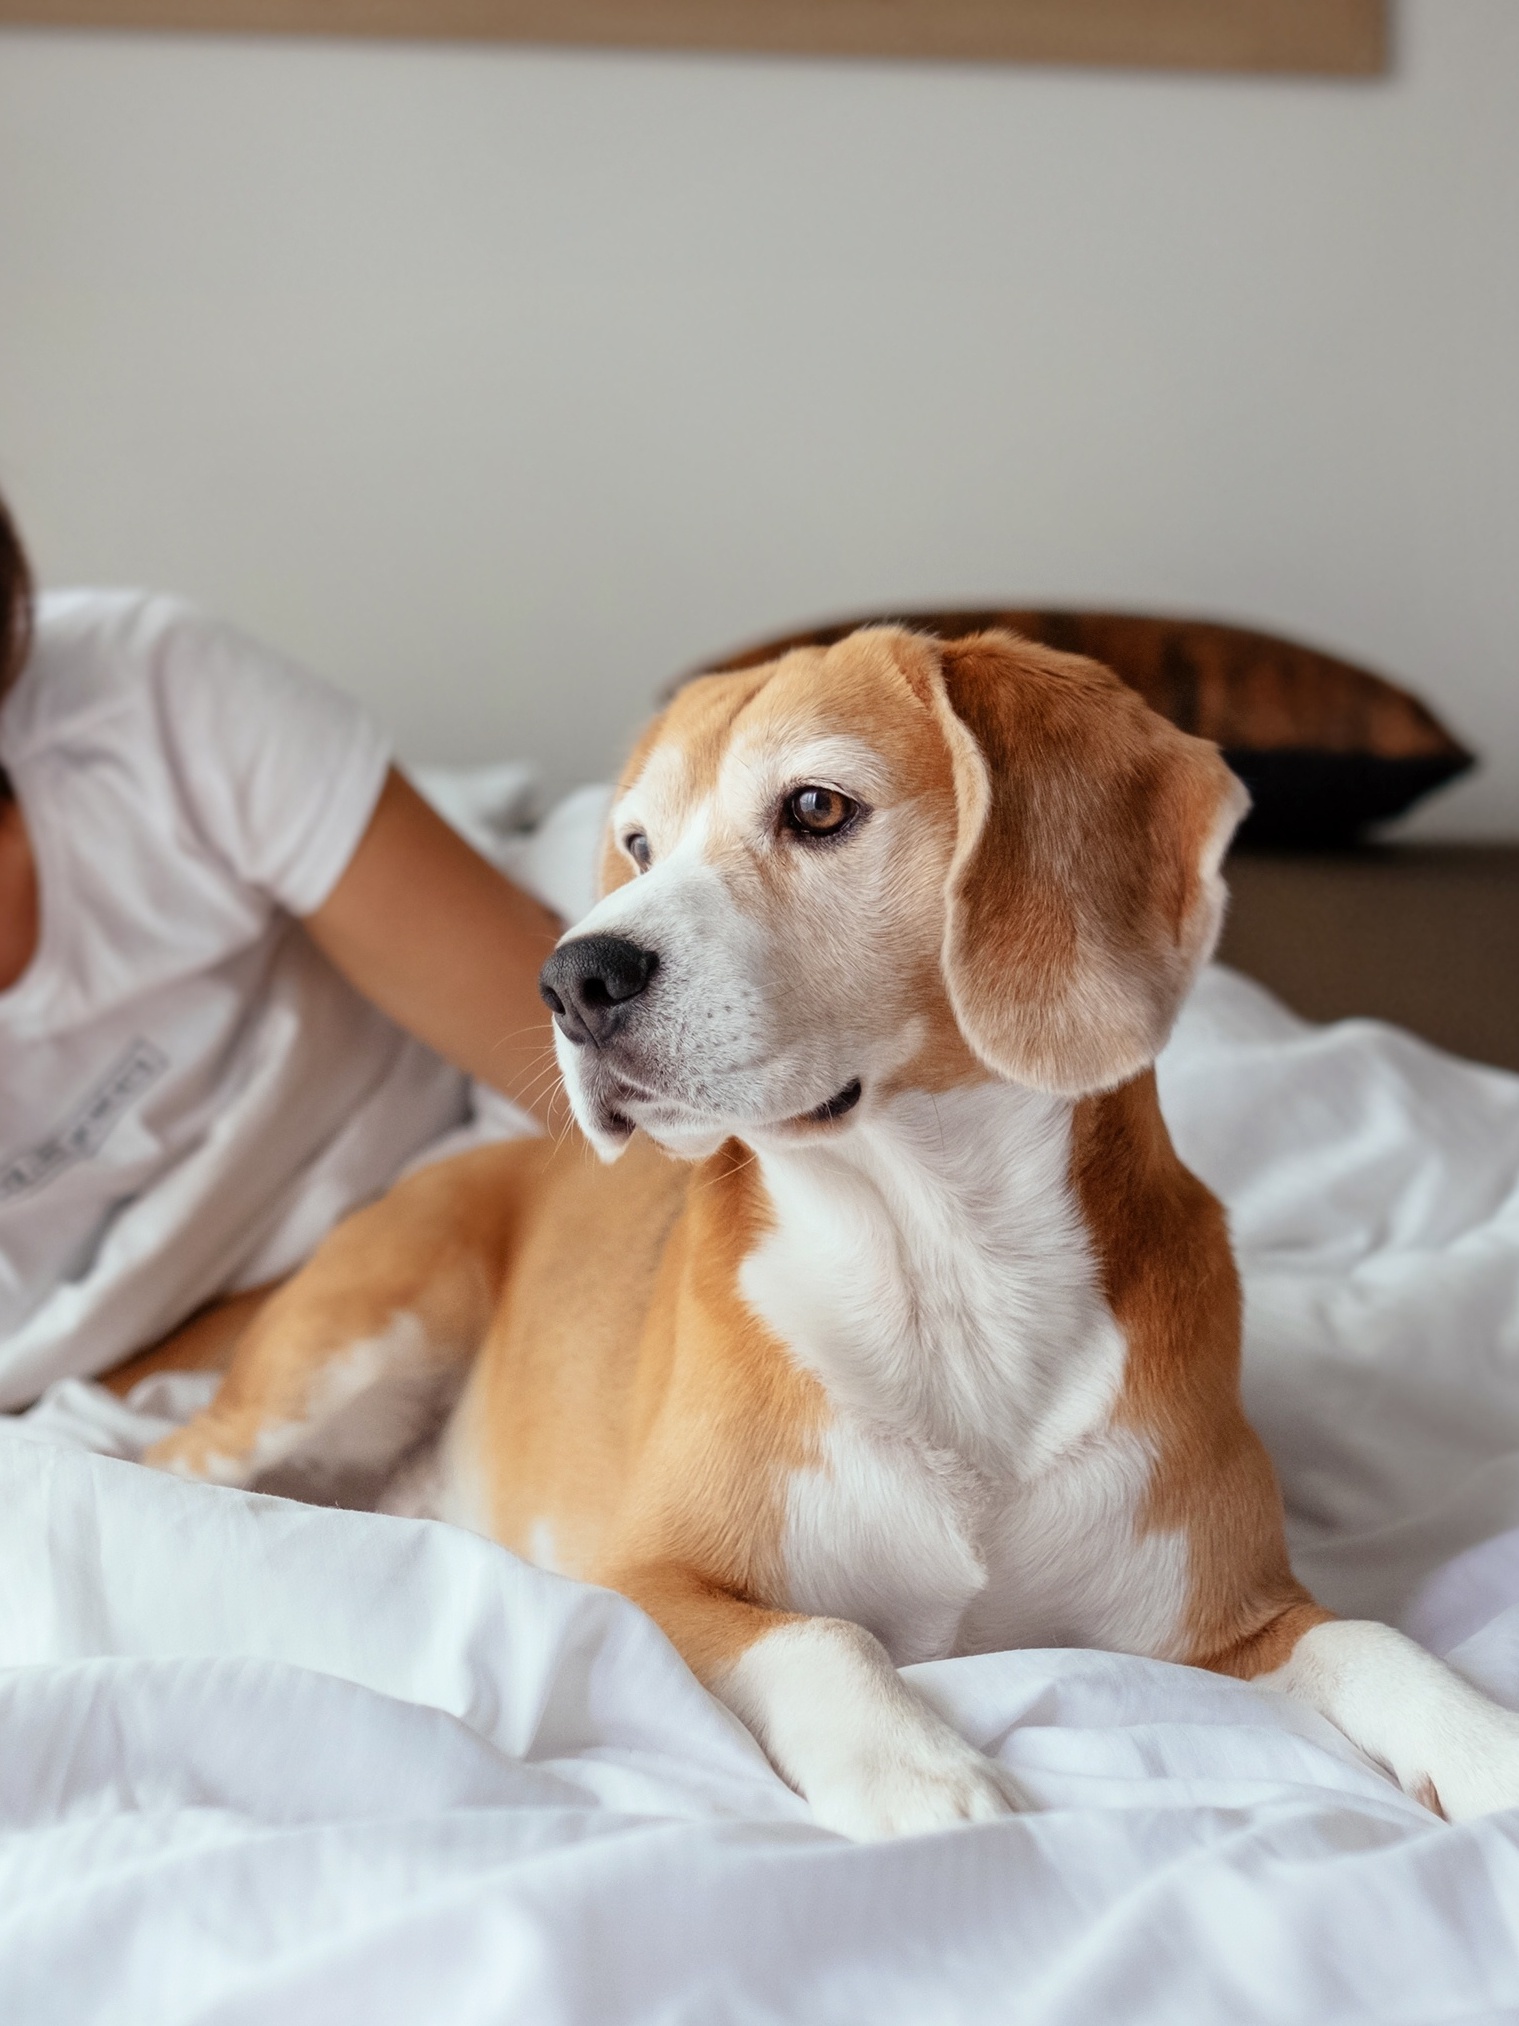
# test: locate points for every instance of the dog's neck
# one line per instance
(932, 1268)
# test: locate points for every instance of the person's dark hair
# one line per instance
(15, 612)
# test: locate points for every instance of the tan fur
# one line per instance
(205, 1343)
(648, 1419)
(623, 1399)
(1170, 1280)
(439, 1245)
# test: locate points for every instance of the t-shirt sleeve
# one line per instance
(278, 772)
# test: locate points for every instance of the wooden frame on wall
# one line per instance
(1345, 38)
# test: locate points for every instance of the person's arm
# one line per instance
(445, 945)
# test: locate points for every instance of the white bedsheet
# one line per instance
(264, 1762)
(1373, 1191)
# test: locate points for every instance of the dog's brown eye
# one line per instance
(819, 812)
(636, 845)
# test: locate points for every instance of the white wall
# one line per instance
(500, 383)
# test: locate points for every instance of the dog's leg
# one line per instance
(836, 1720)
(354, 1361)
(206, 1343)
(1442, 1740)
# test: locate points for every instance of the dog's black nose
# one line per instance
(588, 982)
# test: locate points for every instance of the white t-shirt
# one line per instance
(190, 1095)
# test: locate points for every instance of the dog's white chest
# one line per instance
(934, 1560)
(971, 1491)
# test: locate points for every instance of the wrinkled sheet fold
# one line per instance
(263, 1761)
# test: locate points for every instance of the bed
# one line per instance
(265, 1761)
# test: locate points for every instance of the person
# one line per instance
(246, 972)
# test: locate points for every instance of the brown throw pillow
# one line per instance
(1325, 748)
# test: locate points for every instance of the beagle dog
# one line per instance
(889, 1326)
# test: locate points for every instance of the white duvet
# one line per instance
(265, 1762)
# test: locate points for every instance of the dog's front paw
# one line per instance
(1442, 1739)
(913, 1786)
(862, 1748)
(1475, 1771)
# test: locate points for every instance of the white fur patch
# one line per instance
(361, 1411)
(883, 1533)
(932, 1268)
(367, 1402)
(1439, 1737)
(449, 1482)
(867, 1753)
(369, 1409)
(1068, 1564)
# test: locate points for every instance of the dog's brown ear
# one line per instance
(1084, 894)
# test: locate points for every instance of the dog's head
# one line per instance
(893, 863)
